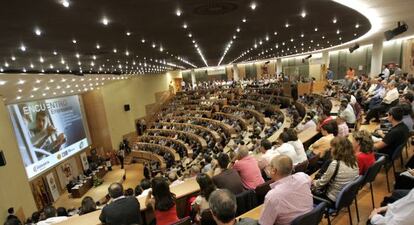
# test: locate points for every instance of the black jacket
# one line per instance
(124, 211)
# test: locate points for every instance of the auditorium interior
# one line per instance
(207, 112)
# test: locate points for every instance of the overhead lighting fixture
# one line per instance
(65, 3)
(185, 26)
(316, 29)
(357, 25)
(253, 5)
(74, 41)
(128, 33)
(38, 32)
(178, 12)
(244, 20)
(303, 14)
(334, 20)
(98, 46)
(22, 48)
(287, 25)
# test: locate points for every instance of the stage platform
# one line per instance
(133, 174)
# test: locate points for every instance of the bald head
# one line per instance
(115, 190)
(283, 164)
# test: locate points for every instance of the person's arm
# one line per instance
(326, 177)
(269, 214)
(102, 217)
(149, 201)
(376, 218)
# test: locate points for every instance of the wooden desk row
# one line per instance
(159, 138)
(259, 116)
(180, 125)
(243, 122)
(148, 156)
(144, 146)
(164, 132)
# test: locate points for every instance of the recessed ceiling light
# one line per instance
(189, 35)
(98, 46)
(143, 40)
(65, 3)
(253, 5)
(74, 41)
(77, 55)
(115, 51)
(303, 14)
(41, 60)
(357, 25)
(287, 25)
(22, 48)
(18, 97)
(20, 82)
(38, 32)
(105, 21)
(316, 29)
(3, 82)
(302, 35)
(178, 12)
(244, 20)
(238, 29)
(55, 53)
(334, 20)
(128, 33)
(13, 58)
(185, 26)
(338, 31)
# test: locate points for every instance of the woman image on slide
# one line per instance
(44, 135)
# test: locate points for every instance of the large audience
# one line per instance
(267, 152)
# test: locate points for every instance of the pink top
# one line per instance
(289, 198)
(249, 171)
(343, 130)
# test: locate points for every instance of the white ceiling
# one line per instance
(383, 15)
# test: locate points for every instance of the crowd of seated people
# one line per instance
(222, 175)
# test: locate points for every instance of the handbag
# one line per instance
(321, 192)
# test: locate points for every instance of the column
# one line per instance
(376, 58)
(325, 64)
(236, 72)
(193, 78)
(279, 66)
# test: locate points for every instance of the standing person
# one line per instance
(329, 74)
(121, 156)
(147, 172)
(162, 201)
(121, 210)
(290, 195)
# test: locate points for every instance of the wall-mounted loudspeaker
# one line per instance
(2, 159)
(401, 28)
(353, 48)
(126, 108)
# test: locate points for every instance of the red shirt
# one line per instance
(249, 172)
(365, 160)
(166, 217)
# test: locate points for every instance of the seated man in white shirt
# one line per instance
(391, 97)
(400, 212)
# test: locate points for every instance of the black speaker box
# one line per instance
(2, 159)
(126, 107)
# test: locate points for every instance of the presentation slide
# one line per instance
(48, 131)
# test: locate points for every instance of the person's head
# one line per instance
(408, 97)
(129, 192)
(362, 141)
(194, 170)
(61, 211)
(330, 128)
(13, 221)
(138, 190)
(406, 108)
(87, 205)
(223, 206)
(49, 211)
(164, 199)
(35, 217)
(284, 137)
(395, 115)
(341, 149)
(265, 145)
(344, 103)
(391, 85)
(223, 160)
(10, 210)
(243, 152)
(206, 185)
(145, 184)
(41, 120)
(293, 135)
(208, 159)
(280, 166)
(116, 190)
